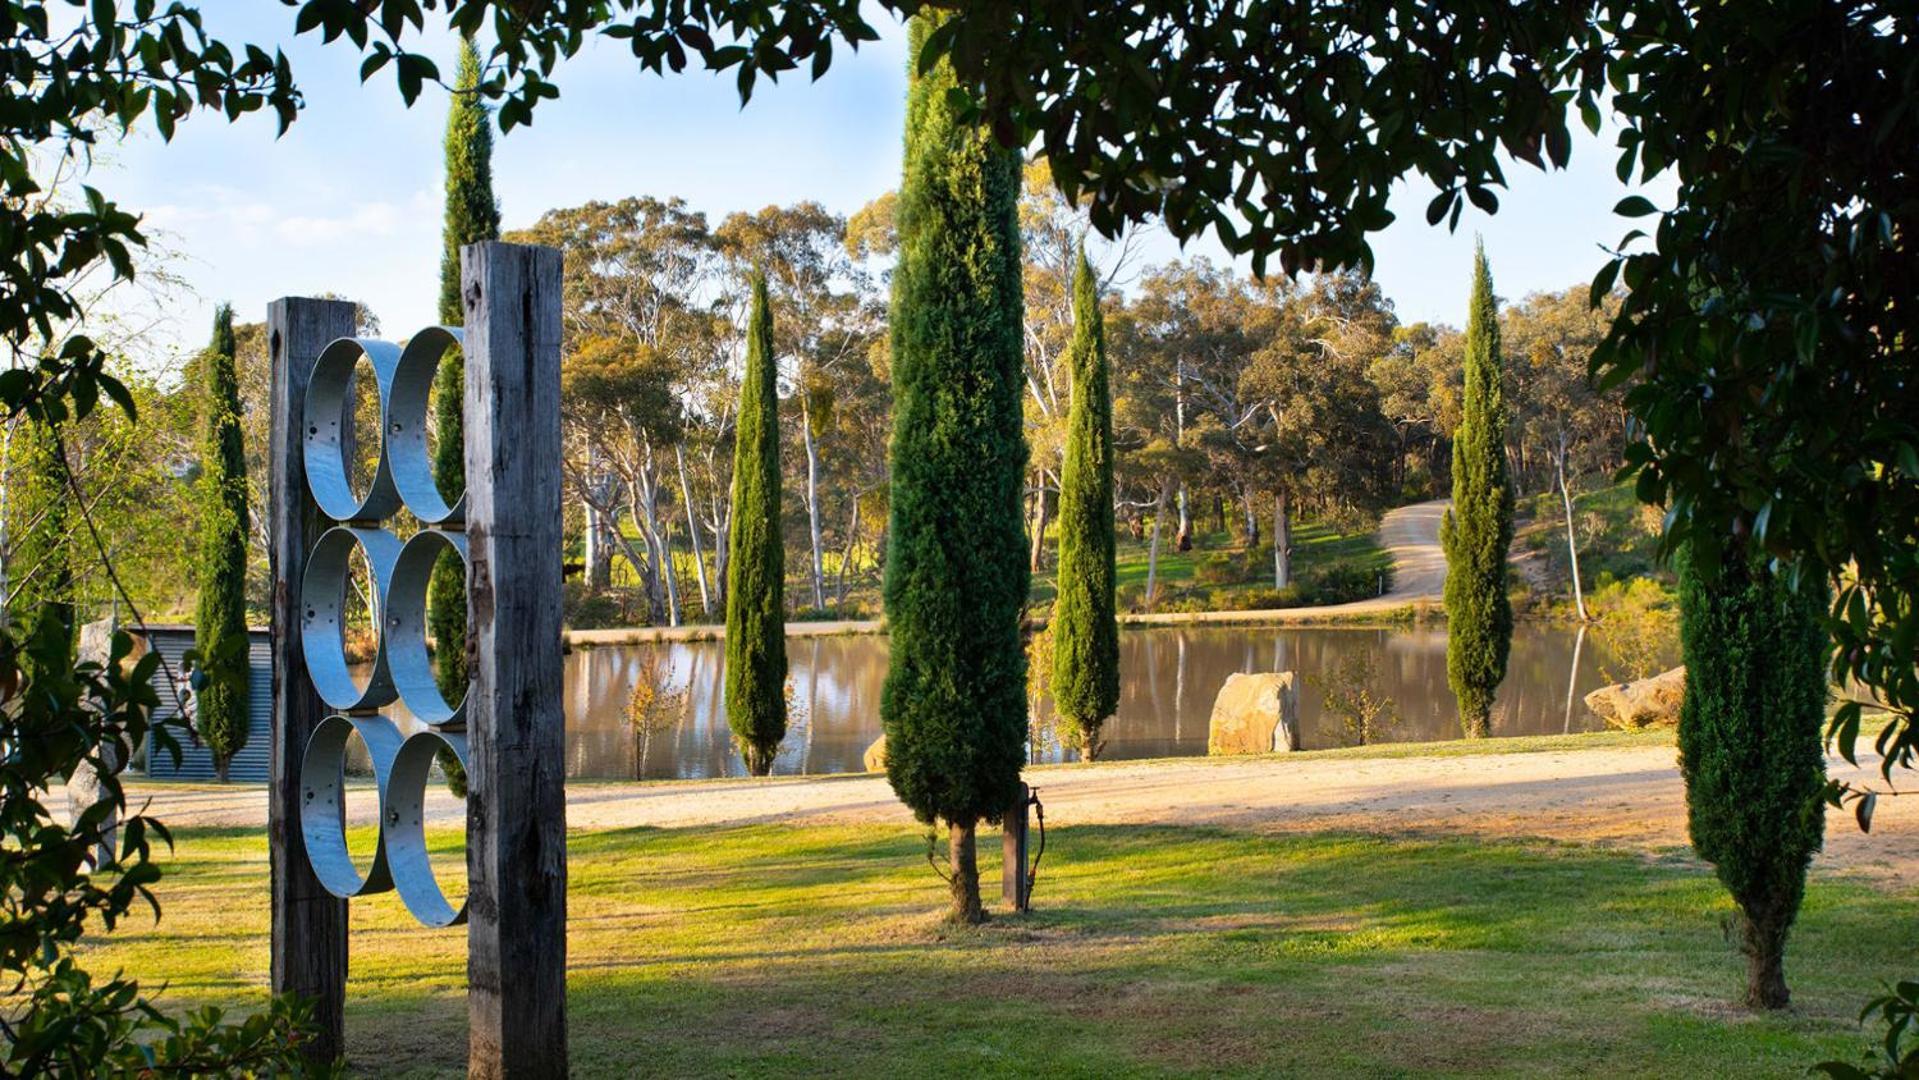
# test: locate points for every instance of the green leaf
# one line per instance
(1635, 206)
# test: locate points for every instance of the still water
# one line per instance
(1169, 678)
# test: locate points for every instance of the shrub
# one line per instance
(1219, 568)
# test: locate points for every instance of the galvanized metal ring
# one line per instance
(408, 661)
(405, 424)
(322, 616)
(329, 427)
(323, 802)
(404, 822)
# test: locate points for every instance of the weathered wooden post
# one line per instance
(1014, 888)
(507, 729)
(516, 806)
(309, 923)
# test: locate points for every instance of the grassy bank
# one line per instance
(787, 951)
(1330, 566)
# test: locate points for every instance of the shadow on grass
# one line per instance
(792, 951)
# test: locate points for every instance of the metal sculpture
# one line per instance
(402, 669)
(506, 729)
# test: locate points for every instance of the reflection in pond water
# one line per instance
(1168, 680)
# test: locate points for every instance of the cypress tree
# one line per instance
(1085, 625)
(954, 704)
(220, 617)
(1750, 745)
(756, 557)
(1478, 528)
(472, 215)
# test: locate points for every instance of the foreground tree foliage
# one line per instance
(756, 565)
(1085, 624)
(1749, 744)
(954, 703)
(1477, 531)
(220, 619)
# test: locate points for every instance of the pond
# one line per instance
(1169, 678)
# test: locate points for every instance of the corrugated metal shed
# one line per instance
(196, 763)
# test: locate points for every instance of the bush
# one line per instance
(1220, 568)
(1637, 622)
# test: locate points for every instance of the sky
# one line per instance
(348, 201)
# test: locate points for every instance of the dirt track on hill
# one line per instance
(1628, 797)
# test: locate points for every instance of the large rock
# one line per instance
(1255, 714)
(1647, 703)
(876, 755)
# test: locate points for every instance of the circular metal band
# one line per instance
(322, 623)
(408, 662)
(328, 420)
(323, 802)
(403, 824)
(406, 425)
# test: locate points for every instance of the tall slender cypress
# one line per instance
(472, 215)
(1478, 529)
(220, 617)
(1085, 624)
(954, 704)
(1750, 745)
(756, 557)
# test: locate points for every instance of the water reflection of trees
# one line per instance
(1169, 678)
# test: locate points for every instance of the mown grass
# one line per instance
(799, 951)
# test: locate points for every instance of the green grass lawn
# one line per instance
(797, 951)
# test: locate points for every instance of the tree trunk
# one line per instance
(1765, 948)
(220, 766)
(1152, 550)
(1572, 542)
(1572, 678)
(846, 555)
(693, 532)
(722, 513)
(1037, 555)
(1282, 541)
(1184, 538)
(1251, 516)
(964, 864)
(673, 617)
(599, 565)
(813, 501)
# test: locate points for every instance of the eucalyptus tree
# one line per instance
(824, 326)
(644, 364)
(1560, 417)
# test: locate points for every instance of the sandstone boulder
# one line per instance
(1652, 702)
(1255, 714)
(876, 755)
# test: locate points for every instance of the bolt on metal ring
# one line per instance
(409, 664)
(322, 617)
(323, 807)
(405, 838)
(328, 422)
(405, 425)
